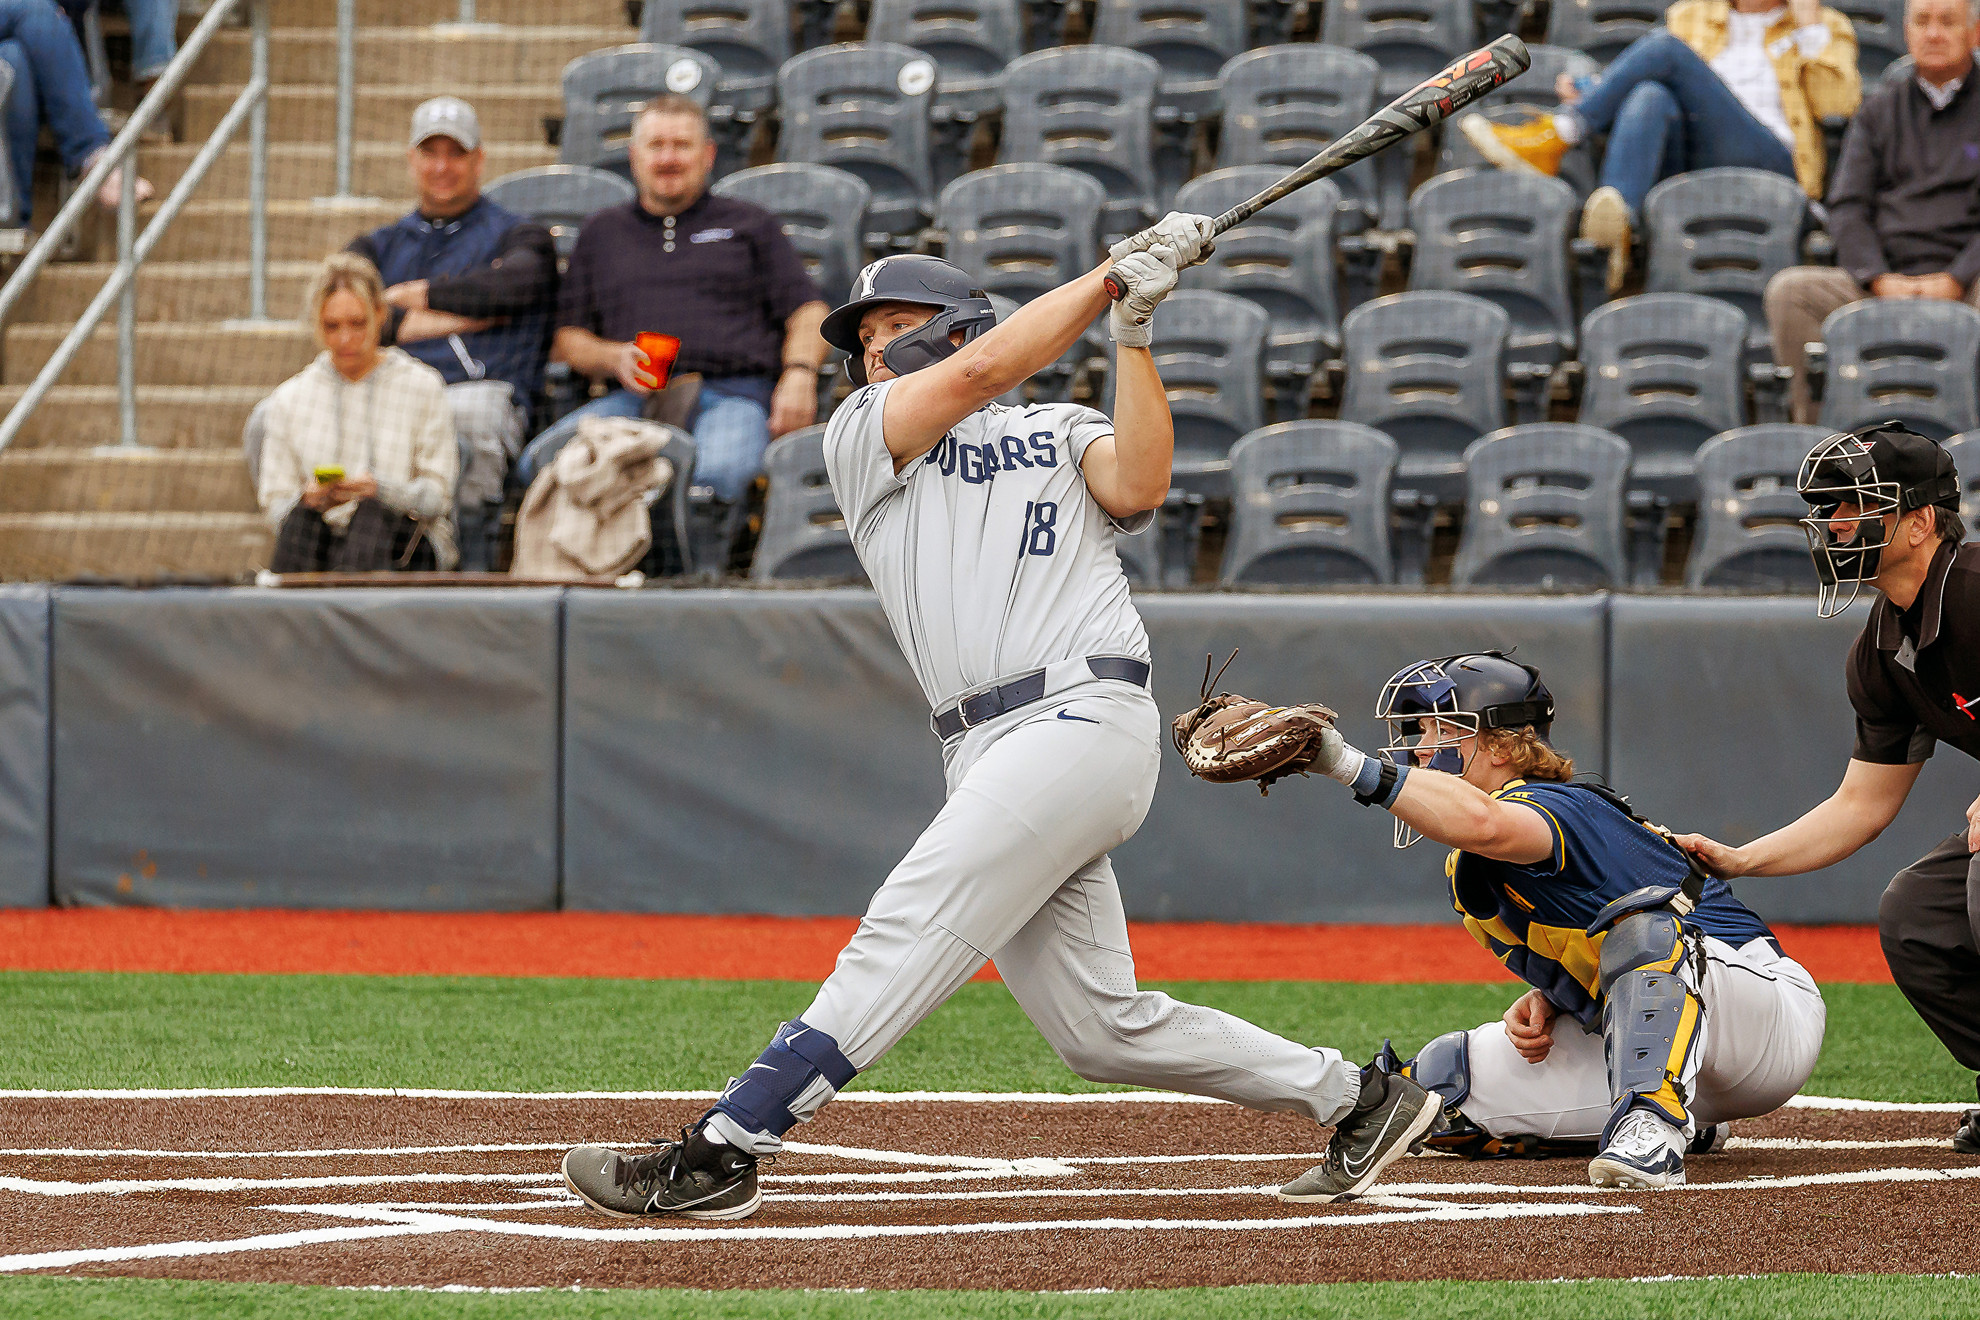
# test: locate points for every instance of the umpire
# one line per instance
(1885, 511)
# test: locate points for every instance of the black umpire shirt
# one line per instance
(720, 276)
(1914, 675)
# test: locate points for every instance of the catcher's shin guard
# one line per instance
(1652, 1018)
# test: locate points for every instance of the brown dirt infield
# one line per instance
(931, 1193)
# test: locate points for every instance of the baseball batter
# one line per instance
(988, 532)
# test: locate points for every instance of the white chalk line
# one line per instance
(795, 1147)
(1764, 1184)
(1027, 1164)
(113, 1152)
(125, 1186)
(428, 1093)
(55, 1260)
(1812, 1143)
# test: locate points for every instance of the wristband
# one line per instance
(1380, 782)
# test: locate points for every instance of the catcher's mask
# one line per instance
(1875, 473)
(925, 282)
(1460, 696)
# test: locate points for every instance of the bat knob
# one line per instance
(1115, 289)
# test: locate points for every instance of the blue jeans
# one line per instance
(730, 428)
(1666, 112)
(51, 82)
(154, 36)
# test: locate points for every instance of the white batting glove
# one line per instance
(1148, 278)
(1186, 235)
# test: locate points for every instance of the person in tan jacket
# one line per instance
(1741, 83)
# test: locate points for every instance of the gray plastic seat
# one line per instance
(1913, 360)
(804, 534)
(970, 41)
(1090, 108)
(1544, 509)
(1601, 28)
(1310, 506)
(1410, 39)
(1965, 451)
(1879, 26)
(1190, 39)
(1535, 87)
(1282, 104)
(823, 211)
(1725, 233)
(749, 39)
(1662, 371)
(1502, 236)
(1210, 348)
(1282, 259)
(1022, 230)
(605, 91)
(1749, 534)
(1428, 370)
(679, 450)
(864, 108)
(561, 197)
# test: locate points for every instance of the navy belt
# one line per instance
(1025, 689)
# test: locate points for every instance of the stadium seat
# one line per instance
(1965, 451)
(804, 534)
(1091, 108)
(679, 450)
(1022, 230)
(1749, 535)
(1725, 233)
(1535, 88)
(1879, 28)
(1210, 348)
(864, 108)
(970, 41)
(1544, 509)
(604, 91)
(1503, 236)
(560, 197)
(1913, 360)
(749, 39)
(1410, 39)
(1662, 370)
(1283, 104)
(1282, 259)
(1310, 506)
(823, 211)
(1190, 39)
(1428, 370)
(1600, 28)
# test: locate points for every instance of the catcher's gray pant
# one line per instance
(1014, 867)
(1760, 1036)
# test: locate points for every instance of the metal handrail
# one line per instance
(133, 247)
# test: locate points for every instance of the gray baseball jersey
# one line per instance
(989, 554)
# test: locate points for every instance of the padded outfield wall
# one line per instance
(768, 751)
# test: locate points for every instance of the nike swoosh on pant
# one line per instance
(1068, 715)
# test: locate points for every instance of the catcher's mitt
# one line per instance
(1227, 738)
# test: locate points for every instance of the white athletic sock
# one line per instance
(1567, 125)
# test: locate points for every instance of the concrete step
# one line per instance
(300, 171)
(124, 480)
(167, 354)
(412, 54)
(41, 547)
(446, 13)
(171, 291)
(182, 417)
(297, 231)
(508, 113)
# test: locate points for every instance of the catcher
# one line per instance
(1661, 1006)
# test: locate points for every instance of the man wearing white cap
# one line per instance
(472, 287)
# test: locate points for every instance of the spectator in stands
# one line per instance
(471, 288)
(51, 85)
(358, 462)
(715, 272)
(1904, 208)
(154, 34)
(1741, 83)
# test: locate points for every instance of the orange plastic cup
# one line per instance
(660, 351)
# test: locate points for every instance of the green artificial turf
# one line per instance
(1802, 1296)
(68, 1030)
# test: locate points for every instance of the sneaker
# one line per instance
(1606, 222)
(1392, 1113)
(1645, 1152)
(693, 1176)
(1531, 144)
(1709, 1140)
(1966, 1141)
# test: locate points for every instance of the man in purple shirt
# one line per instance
(714, 272)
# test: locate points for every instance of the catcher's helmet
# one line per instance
(1877, 471)
(926, 282)
(1465, 694)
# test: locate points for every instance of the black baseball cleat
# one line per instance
(1392, 1113)
(693, 1177)
(1966, 1141)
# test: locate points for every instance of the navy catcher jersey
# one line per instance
(1534, 919)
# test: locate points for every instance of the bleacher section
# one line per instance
(1429, 299)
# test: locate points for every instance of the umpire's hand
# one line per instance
(1187, 236)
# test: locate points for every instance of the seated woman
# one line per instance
(359, 462)
(1725, 82)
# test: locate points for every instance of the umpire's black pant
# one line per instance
(1929, 921)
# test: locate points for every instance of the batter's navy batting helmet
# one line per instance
(1877, 471)
(925, 282)
(1466, 694)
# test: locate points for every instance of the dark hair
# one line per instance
(1951, 526)
(673, 103)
